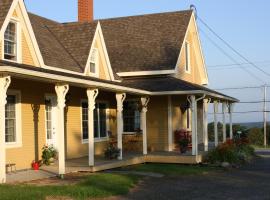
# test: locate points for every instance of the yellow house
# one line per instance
(77, 85)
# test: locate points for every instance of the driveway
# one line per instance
(249, 182)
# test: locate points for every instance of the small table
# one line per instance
(11, 166)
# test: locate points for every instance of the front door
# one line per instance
(51, 120)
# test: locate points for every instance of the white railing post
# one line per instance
(205, 123)
(224, 110)
(4, 84)
(61, 91)
(144, 101)
(91, 95)
(194, 124)
(231, 106)
(120, 98)
(170, 129)
(216, 123)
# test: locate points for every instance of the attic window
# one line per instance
(187, 57)
(93, 62)
(10, 41)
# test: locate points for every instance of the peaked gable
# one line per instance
(197, 72)
(27, 48)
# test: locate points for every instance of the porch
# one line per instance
(101, 164)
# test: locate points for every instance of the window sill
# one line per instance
(129, 133)
(13, 145)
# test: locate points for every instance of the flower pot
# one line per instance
(35, 166)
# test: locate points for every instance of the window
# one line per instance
(13, 120)
(131, 116)
(10, 120)
(187, 57)
(10, 42)
(188, 118)
(93, 61)
(100, 121)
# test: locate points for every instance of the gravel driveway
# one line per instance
(250, 182)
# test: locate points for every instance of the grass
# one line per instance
(93, 186)
(172, 169)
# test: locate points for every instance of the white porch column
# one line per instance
(120, 98)
(144, 101)
(170, 129)
(205, 123)
(91, 95)
(194, 125)
(231, 106)
(216, 123)
(4, 84)
(61, 91)
(224, 110)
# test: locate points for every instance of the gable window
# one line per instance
(10, 42)
(12, 119)
(187, 57)
(131, 116)
(100, 121)
(93, 68)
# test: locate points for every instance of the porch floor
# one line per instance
(101, 164)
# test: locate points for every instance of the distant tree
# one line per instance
(255, 136)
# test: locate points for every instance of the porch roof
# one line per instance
(165, 85)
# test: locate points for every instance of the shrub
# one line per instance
(255, 136)
(111, 152)
(235, 151)
(48, 153)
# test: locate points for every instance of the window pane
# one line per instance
(187, 56)
(102, 118)
(10, 42)
(10, 119)
(85, 120)
(92, 67)
(131, 116)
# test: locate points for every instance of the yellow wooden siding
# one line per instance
(26, 54)
(1, 48)
(196, 74)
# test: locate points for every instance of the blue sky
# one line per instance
(244, 24)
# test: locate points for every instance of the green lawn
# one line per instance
(172, 169)
(99, 185)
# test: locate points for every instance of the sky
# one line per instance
(244, 24)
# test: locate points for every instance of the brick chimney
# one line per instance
(85, 10)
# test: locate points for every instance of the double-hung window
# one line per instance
(12, 120)
(100, 121)
(93, 68)
(10, 42)
(131, 116)
(187, 57)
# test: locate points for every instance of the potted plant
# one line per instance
(111, 152)
(183, 144)
(49, 154)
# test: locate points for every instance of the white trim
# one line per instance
(18, 114)
(145, 73)
(100, 139)
(108, 86)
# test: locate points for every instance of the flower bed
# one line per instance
(236, 151)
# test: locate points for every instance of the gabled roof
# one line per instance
(4, 7)
(76, 38)
(147, 42)
(53, 52)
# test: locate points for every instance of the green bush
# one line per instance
(235, 151)
(255, 136)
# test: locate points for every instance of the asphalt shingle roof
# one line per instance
(4, 8)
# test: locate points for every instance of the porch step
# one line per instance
(119, 163)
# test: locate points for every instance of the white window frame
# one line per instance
(18, 115)
(18, 42)
(130, 133)
(100, 139)
(96, 62)
(187, 57)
